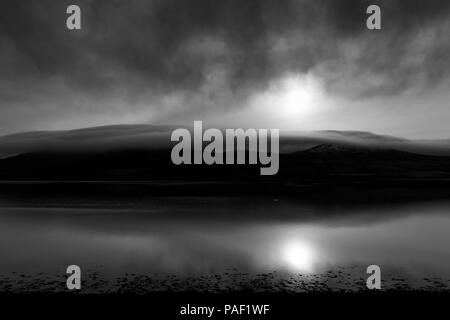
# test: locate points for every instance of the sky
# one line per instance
(287, 64)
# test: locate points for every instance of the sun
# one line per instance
(296, 96)
(293, 101)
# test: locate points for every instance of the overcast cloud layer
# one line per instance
(290, 64)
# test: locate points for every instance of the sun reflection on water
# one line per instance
(298, 256)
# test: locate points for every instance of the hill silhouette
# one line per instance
(326, 163)
(152, 137)
(141, 153)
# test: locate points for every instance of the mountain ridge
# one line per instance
(325, 162)
(154, 137)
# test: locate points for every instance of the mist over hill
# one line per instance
(142, 152)
(157, 137)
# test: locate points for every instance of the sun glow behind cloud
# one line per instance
(292, 102)
(296, 96)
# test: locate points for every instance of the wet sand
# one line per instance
(344, 279)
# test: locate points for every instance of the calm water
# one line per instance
(188, 236)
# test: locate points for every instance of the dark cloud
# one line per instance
(224, 49)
